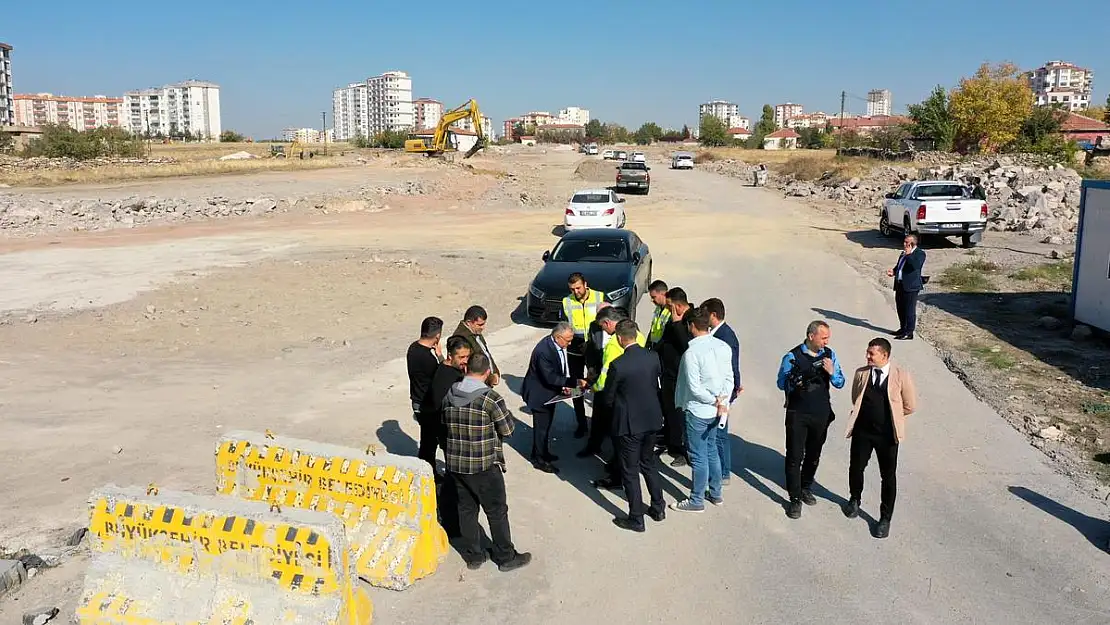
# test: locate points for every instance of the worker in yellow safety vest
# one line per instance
(607, 319)
(580, 309)
(658, 292)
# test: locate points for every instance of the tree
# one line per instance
(595, 130)
(1106, 113)
(615, 133)
(890, 138)
(811, 138)
(713, 131)
(685, 132)
(989, 108)
(7, 142)
(765, 126)
(230, 136)
(932, 118)
(647, 133)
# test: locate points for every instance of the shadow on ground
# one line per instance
(850, 320)
(520, 317)
(1095, 530)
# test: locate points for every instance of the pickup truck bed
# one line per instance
(934, 207)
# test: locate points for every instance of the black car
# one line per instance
(615, 262)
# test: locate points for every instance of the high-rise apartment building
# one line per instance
(785, 111)
(574, 115)
(879, 102)
(378, 104)
(427, 113)
(1061, 83)
(190, 107)
(308, 135)
(77, 113)
(720, 109)
(7, 101)
(468, 125)
(738, 121)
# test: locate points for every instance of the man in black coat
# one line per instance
(633, 396)
(907, 285)
(548, 377)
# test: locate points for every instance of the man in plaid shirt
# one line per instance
(477, 421)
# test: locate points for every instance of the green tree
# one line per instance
(990, 107)
(230, 136)
(647, 133)
(615, 133)
(63, 141)
(713, 131)
(811, 138)
(932, 118)
(595, 130)
(7, 142)
(889, 138)
(1106, 113)
(765, 126)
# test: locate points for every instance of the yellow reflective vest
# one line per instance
(582, 314)
(611, 352)
(658, 322)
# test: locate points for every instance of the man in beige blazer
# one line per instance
(883, 395)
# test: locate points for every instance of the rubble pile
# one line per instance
(12, 164)
(29, 213)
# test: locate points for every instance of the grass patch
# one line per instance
(1055, 273)
(1096, 408)
(995, 359)
(973, 276)
(705, 156)
(839, 169)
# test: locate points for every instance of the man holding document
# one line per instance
(547, 382)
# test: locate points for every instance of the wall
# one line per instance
(1091, 290)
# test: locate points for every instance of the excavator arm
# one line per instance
(439, 142)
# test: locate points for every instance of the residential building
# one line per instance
(373, 106)
(782, 139)
(740, 134)
(192, 106)
(1082, 129)
(721, 109)
(77, 113)
(538, 118)
(507, 127)
(1061, 83)
(879, 102)
(427, 112)
(560, 129)
(7, 102)
(468, 125)
(574, 115)
(866, 125)
(738, 121)
(309, 135)
(785, 111)
(818, 119)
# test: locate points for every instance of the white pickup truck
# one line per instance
(934, 207)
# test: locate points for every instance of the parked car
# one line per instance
(682, 160)
(594, 208)
(633, 175)
(591, 149)
(638, 157)
(615, 262)
(621, 155)
(934, 207)
(608, 155)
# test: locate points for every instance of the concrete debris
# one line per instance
(41, 616)
(77, 536)
(1051, 433)
(238, 156)
(12, 574)
(12, 164)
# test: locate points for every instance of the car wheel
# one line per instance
(906, 226)
(884, 225)
(967, 242)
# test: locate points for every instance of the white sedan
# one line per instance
(594, 208)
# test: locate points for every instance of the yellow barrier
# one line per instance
(387, 502)
(181, 559)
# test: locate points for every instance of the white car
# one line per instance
(591, 149)
(608, 155)
(594, 208)
(682, 160)
(638, 157)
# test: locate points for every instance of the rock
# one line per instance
(1051, 433)
(854, 183)
(1053, 239)
(151, 309)
(1081, 333)
(41, 616)
(30, 319)
(1049, 322)
(77, 536)
(12, 574)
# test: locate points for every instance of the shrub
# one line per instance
(65, 142)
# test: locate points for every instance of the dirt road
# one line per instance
(300, 327)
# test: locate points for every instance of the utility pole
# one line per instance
(324, 130)
(840, 135)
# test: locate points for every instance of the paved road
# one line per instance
(984, 532)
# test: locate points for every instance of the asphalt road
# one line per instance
(984, 531)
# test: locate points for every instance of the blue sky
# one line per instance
(627, 61)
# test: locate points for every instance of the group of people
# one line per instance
(669, 392)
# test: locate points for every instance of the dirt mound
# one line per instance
(592, 169)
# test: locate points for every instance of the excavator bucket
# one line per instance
(478, 145)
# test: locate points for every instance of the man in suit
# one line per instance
(907, 286)
(633, 397)
(719, 329)
(883, 395)
(548, 377)
(473, 327)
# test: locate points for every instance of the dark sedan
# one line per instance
(615, 262)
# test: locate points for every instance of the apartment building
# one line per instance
(538, 118)
(817, 119)
(738, 121)
(574, 115)
(379, 103)
(308, 135)
(879, 102)
(785, 111)
(721, 109)
(7, 102)
(192, 106)
(427, 113)
(468, 125)
(1060, 82)
(77, 113)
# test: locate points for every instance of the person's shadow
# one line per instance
(1095, 530)
(849, 320)
(397, 442)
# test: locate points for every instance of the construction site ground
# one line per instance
(128, 352)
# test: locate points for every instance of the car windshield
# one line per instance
(686, 158)
(939, 190)
(591, 250)
(590, 198)
(633, 165)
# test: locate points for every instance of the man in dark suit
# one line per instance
(907, 285)
(548, 377)
(633, 397)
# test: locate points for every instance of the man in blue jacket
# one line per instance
(724, 332)
(548, 377)
(907, 286)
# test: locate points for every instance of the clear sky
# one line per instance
(278, 61)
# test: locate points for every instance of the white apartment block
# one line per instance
(7, 101)
(879, 103)
(192, 106)
(739, 121)
(467, 124)
(427, 113)
(537, 118)
(1060, 82)
(785, 111)
(77, 113)
(817, 120)
(720, 109)
(574, 115)
(380, 103)
(308, 135)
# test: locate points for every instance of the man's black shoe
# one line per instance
(657, 515)
(904, 337)
(794, 509)
(606, 483)
(545, 466)
(581, 432)
(851, 509)
(626, 523)
(882, 528)
(475, 564)
(660, 449)
(679, 461)
(808, 498)
(517, 561)
(550, 457)
(586, 453)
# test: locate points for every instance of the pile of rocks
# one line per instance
(10, 164)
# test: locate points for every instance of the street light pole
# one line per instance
(324, 130)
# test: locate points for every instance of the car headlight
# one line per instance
(619, 293)
(536, 293)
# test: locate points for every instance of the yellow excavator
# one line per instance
(439, 143)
